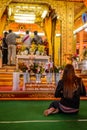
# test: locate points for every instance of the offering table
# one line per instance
(28, 58)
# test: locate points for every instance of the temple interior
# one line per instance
(62, 25)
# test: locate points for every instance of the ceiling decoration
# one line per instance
(36, 8)
(29, 13)
(3, 5)
(47, 0)
(79, 10)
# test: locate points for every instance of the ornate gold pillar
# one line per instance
(81, 44)
(65, 12)
(69, 28)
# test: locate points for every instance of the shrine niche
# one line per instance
(23, 27)
(67, 22)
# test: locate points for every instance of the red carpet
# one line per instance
(5, 88)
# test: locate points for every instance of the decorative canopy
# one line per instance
(38, 9)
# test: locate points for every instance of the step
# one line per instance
(8, 69)
(6, 79)
(6, 83)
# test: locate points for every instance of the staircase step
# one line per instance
(3, 69)
(6, 77)
(5, 83)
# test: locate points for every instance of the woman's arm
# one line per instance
(82, 89)
(59, 89)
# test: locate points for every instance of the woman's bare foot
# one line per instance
(46, 113)
(56, 111)
(49, 111)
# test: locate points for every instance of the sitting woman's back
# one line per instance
(69, 88)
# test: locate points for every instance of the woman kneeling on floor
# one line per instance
(69, 88)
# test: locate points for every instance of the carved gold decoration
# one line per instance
(67, 23)
(28, 9)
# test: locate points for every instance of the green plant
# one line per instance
(58, 69)
(37, 68)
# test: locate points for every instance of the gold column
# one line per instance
(65, 12)
(81, 44)
(69, 28)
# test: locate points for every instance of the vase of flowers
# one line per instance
(23, 67)
(38, 78)
(57, 73)
(38, 70)
(26, 77)
(49, 77)
(16, 81)
(83, 63)
(49, 72)
(75, 60)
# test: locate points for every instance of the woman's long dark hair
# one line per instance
(68, 79)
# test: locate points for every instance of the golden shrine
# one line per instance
(59, 26)
(57, 20)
